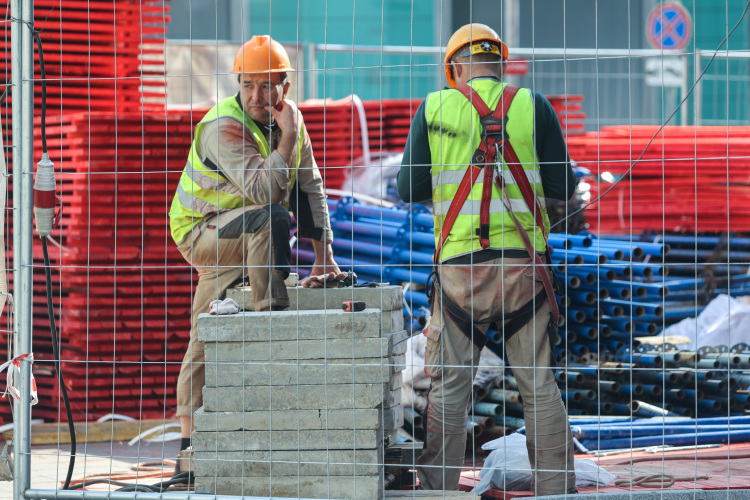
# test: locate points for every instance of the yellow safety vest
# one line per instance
(454, 132)
(192, 202)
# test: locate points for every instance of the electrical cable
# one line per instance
(48, 279)
(181, 478)
(679, 106)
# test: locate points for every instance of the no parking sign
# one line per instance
(669, 26)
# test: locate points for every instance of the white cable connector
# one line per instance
(44, 196)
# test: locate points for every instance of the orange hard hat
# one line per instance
(261, 54)
(473, 34)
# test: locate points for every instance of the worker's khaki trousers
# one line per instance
(223, 248)
(488, 291)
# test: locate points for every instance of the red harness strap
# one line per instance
(485, 156)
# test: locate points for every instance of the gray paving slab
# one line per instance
(386, 298)
(310, 372)
(293, 325)
(293, 420)
(303, 439)
(289, 463)
(299, 397)
(389, 345)
(376, 418)
(336, 487)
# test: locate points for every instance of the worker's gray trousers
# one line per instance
(489, 291)
(251, 241)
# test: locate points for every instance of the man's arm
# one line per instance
(415, 176)
(558, 178)
(308, 202)
(230, 148)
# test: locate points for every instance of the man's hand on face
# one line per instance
(286, 116)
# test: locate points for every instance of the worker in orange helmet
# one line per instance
(250, 162)
(487, 154)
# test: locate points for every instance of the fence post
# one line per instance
(22, 69)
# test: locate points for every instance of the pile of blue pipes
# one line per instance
(615, 290)
(626, 433)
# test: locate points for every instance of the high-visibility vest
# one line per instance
(454, 132)
(203, 190)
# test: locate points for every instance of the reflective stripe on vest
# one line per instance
(454, 133)
(202, 190)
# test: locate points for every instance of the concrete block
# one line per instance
(300, 397)
(393, 418)
(309, 372)
(294, 325)
(289, 463)
(390, 344)
(385, 298)
(302, 439)
(339, 487)
(398, 362)
(397, 380)
(365, 419)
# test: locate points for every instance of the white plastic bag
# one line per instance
(508, 467)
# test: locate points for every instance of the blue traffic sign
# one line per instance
(669, 26)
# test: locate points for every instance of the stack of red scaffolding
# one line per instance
(690, 178)
(336, 133)
(99, 56)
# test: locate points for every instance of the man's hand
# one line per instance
(324, 268)
(286, 116)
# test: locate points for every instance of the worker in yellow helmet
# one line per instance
(487, 154)
(250, 160)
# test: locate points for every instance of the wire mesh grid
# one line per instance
(178, 185)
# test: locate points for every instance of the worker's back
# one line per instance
(455, 132)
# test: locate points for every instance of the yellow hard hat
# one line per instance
(473, 35)
(261, 54)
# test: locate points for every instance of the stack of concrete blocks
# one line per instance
(301, 403)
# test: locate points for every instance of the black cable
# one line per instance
(44, 89)
(687, 94)
(48, 279)
(56, 356)
(181, 478)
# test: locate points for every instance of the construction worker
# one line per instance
(489, 237)
(250, 159)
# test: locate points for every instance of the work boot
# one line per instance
(184, 462)
(279, 297)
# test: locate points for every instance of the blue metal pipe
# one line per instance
(582, 296)
(619, 324)
(603, 329)
(380, 214)
(364, 229)
(610, 307)
(401, 274)
(569, 240)
(417, 238)
(415, 299)
(347, 247)
(590, 313)
(414, 257)
(583, 275)
(601, 432)
(560, 258)
(624, 251)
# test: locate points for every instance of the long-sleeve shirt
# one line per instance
(230, 146)
(558, 178)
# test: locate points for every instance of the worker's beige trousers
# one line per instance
(222, 249)
(488, 291)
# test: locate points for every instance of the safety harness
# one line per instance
(494, 137)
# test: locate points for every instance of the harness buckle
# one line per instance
(478, 158)
(494, 127)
